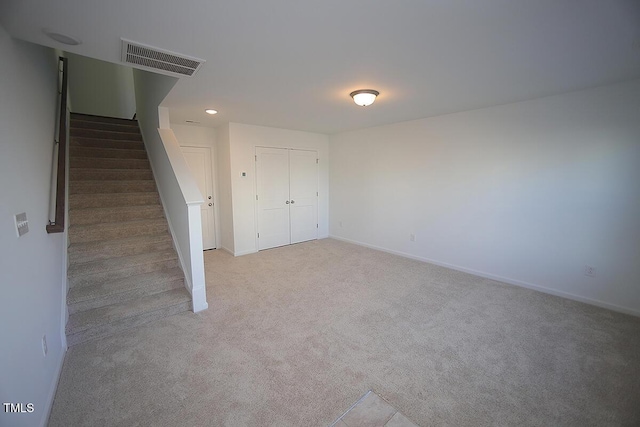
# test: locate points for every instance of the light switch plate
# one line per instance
(22, 225)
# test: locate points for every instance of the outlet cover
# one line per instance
(22, 225)
(589, 271)
(45, 349)
(412, 237)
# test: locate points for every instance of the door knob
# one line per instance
(210, 204)
(293, 201)
(287, 202)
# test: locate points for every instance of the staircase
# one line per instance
(123, 270)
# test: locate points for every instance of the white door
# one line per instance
(199, 161)
(303, 194)
(272, 178)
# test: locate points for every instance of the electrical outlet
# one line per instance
(412, 237)
(22, 225)
(45, 349)
(340, 223)
(589, 271)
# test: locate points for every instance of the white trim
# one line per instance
(53, 388)
(247, 252)
(519, 283)
(229, 251)
(196, 254)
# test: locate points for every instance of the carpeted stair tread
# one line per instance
(82, 201)
(107, 163)
(107, 320)
(105, 249)
(82, 298)
(153, 263)
(123, 268)
(114, 214)
(79, 123)
(120, 263)
(76, 151)
(112, 186)
(117, 230)
(106, 134)
(103, 119)
(89, 174)
(78, 141)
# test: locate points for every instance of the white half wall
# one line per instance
(527, 193)
(178, 190)
(101, 88)
(243, 142)
(32, 287)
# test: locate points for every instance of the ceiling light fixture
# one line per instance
(364, 97)
(63, 38)
(210, 111)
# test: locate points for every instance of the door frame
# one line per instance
(214, 187)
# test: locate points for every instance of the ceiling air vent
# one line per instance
(159, 60)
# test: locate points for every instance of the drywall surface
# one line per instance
(31, 275)
(175, 183)
(243, 141)
(195, 136)
(101, 88)
(529, 193)
(224, 185)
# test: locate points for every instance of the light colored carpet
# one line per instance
(294, 336)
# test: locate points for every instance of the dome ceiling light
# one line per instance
(364, 97)
(62, 38)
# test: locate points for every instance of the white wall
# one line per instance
(31, 273)
(243, 141)
(224, 186)
(528, 193)
(101, 88)
(201, 136)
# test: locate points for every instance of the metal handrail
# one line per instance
(57, 226)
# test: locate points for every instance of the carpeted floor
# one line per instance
(295, 335)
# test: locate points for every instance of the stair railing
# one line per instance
(58, 194)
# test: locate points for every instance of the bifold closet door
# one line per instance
(303, 192)
(272, 176)
(287, 196)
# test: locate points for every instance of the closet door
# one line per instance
(303, 194)
(272, 176)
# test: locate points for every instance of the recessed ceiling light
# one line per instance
(63, 38)
(364, 97)
(210, 111)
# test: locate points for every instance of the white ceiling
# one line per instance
(292, 63)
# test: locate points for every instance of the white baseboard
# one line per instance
(227, 250)
(543, 289)
(240, 253)
(52, 389)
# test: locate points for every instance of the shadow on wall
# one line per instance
(101, 88)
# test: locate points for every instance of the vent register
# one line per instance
(159, 60)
